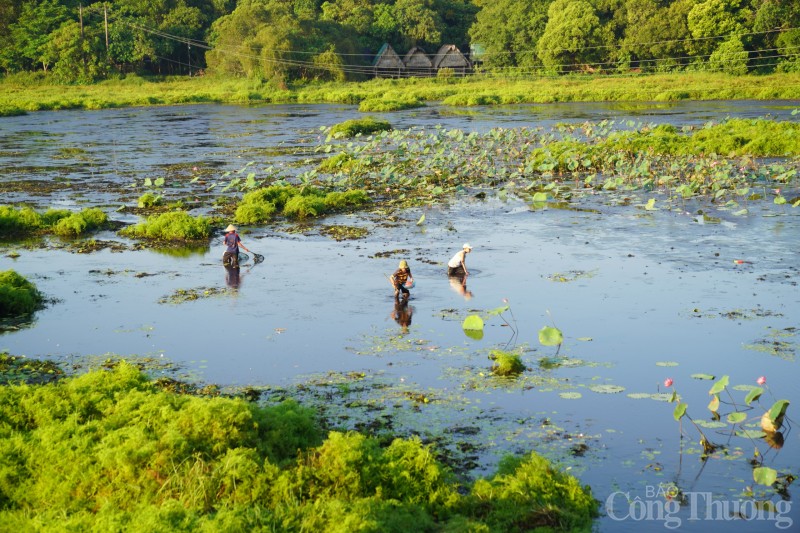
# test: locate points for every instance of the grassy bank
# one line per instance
(20, 94)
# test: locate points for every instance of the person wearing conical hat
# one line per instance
(402, 280)
(232, 243)
(457, 266)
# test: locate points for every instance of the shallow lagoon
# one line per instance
(640, 296)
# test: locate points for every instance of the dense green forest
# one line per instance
(285, 40)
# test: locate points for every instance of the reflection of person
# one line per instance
(457, 266)
(400, 278)
(459, 285)
(232, 243)
(232, 277)
(402, 313)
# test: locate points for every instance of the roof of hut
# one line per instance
(417, 58)
(449, 56)
(387, 58)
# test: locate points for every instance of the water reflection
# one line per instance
(402, 313)
(459, 285)
(233, 277)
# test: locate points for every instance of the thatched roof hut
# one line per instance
(417, 62)
(387, 63)
(449, 56)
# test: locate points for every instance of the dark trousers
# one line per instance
(456, 271)
(231, 259)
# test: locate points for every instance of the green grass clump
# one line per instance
(260, 205)
(173, 226)
(18, 296)
(339, 201)
(78, 223)
(506, 363)
(15, 221)
(307, 205)
(148, 200)
(24, 220)
(340, 161)
(733, 137)
(110, 449)
(361, 126)
(527, 493)
(389, 104)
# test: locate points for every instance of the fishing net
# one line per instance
(244, 258)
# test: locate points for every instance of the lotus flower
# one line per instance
(668, 382)
(761, 380)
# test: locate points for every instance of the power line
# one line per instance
(368, 69)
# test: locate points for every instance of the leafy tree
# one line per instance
(729, 57)
(656, 33)
(30, 33)
(711, 19)
(508, 30)
(419, 24)
(256, 40)
(329, 66)
(573, 36)
(457, 17)
(76, 56)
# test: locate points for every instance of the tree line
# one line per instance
(284, 40)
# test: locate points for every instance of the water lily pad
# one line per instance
(639, 395)
(703, 376)
(711, 424)
(549, 336)
(606, 389)
(666, 363)
(765, 475)
(750, 433)
(570, 395)
(473, 327)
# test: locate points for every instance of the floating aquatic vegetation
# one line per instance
(25, 220)
(506, 364)
(778, 342)
(666, 363)
(173, 226)
(19, 297)
(572, 275)
(361, 126)
(180, 296)
(606, 389)
(261, 205)
(343, 233)
(16, 369)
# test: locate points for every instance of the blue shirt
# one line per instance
(232, 241)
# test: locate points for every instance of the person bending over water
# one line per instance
(457, 266)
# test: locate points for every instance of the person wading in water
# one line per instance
(232, 243)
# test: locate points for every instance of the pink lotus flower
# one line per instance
(761, 380)
(668, 382)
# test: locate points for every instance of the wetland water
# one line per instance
(640, 296)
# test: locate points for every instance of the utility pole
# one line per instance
(189, 46)
(83, 54)
(105, 19)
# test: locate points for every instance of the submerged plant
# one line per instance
(79, 223)
(506, 363)
(361, 126)
(108, 449)
(18, 296)
(173, 226)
